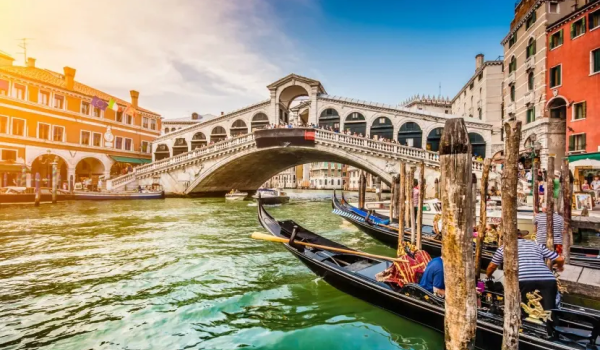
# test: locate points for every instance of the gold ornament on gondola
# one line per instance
(534, 308)
(561, 288)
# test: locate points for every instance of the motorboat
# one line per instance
(236, 195)
(573, 327)
(131, 195)
(271, 196)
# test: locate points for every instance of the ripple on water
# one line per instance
(179, 274)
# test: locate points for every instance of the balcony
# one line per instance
(511, 78)
(530, 63)
(529, 97)
(511, 108)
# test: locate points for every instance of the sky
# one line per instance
(209, 56)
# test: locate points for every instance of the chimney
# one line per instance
(69, 76)
(134, 98)
(222, 113)
(30, 62)
(478, 61)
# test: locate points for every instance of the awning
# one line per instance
(592, 156)
(131, 160)
(12, 168)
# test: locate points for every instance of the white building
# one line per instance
(171, 125)
(285, 179)
(326, 175)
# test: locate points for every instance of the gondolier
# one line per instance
(533, 272)
(541, 228)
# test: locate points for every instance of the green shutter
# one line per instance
(571, 143)
(583, 111)
(560, 37)
(572, 30)
(583, 24)
(596, 58)
(583, 142)
(559, 75)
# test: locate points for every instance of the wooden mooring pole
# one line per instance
(549, 191)
(536, 187)
(54, 182)
(457, 232)
(512, 295)
(393, 190)
(567, 206)
(481, 230)
(396, 198)
(401, 206)
(362, 188)
(411, 205)
(420, 207)
(38, 195)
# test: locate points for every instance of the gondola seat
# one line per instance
(372, 270)
(416, 290)
(574, 326)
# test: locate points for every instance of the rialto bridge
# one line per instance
(221, 153)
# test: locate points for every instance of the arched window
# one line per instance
(198, 140)
(259, 121)
(410, 134)
(531, 47)
(382, 127)
(355, 123)
(433, 139)
(330, 118)
(558, 108)
(238, 128)
(218, 134)
(162, 152)
(166, 130)
(513, 65)
(477, 144)
(180, 146)
(512, 93)
(530, 81)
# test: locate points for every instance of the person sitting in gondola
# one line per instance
(407, 271)
(533, 272)
(433, 277)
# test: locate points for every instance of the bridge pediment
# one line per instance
(293, 78)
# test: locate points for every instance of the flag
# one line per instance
(112, 104)
(130, 110)
(98, 103)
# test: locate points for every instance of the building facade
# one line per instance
(326, 175)
(525, 66)
(285, 179)
(431, 104)
(573, 77)
(48, 117)
(481, 98)
(172, 125)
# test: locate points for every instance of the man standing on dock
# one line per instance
(541, 228)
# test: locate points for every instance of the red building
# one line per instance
(573, 82)
(573, 76)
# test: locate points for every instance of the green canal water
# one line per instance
(180, 274)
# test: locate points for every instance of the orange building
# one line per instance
(48, 117)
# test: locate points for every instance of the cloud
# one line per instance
(213, 55)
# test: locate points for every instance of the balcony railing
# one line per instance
(530, 63)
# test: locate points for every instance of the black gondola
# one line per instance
(355, 275)
(580, 256)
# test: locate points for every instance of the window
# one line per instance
(43, 131)
(44, 98)
(128, 119)
(58, 133)
(595, 19)
(553, 7)
(512, 40)
(578, 28)
(577, 142)
(128, 144)
(595, 61)
(153, 124)
(531, 48)
(555, 76)
(145, 147)
(579, 110)
(530, 21)
(530, 81)
(85, 138)
(531, 115)
(19, 91)
(512, 93)
(98, 113)
(471, 86)
(480, 76)
(118, 142)
(9, 154)
(97, 139)
(119, 116)
(480, 114)
(145, 122)
(4, 87)
(59, 102)
(556, 39)
(85, 108)
(18, 127)
(513, 65)
(3, 124)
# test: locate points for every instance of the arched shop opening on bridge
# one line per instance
(382, 128)
(238, 128)
(356, 123)
(330, 118)
(433, 139)
(198, 140)
(286, 99)
(410, 134)
(87, 173)
(259, 121)
(43, 165)
(180, 146)
(162, 152)
(218, 134)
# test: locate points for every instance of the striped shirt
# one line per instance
(541, 221)
(531, 261)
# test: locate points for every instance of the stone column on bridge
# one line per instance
(312, 112)
(274, 109)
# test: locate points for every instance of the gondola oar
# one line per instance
(265, 237)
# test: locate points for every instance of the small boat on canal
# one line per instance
(573, 327)
(130, 195)
(236, 195)
(382, 229)
(26, 195)
(271, 196)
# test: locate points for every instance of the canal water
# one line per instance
(180, 274)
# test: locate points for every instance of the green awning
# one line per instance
(576, 157)
(131, 160)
